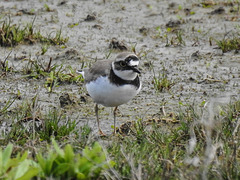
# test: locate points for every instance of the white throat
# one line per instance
(126, 74)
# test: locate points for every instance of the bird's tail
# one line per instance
(80, 72)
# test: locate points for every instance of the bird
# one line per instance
(112, 83)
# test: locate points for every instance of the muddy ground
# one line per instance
(196, 67)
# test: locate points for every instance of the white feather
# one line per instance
(107, 94)
(133, 63)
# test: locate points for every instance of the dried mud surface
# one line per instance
(199, 70)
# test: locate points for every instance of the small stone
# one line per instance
(173, 23)
(115, 44)
(219, 10)
(91, 17)
(65, 100)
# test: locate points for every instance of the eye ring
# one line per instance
(123, 64)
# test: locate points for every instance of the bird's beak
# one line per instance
(135, 69)
(133, 65)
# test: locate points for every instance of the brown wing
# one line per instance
(100, 68)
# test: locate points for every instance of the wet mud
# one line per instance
(176, 38)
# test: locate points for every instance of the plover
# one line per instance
(113, 82)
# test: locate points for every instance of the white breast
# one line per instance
(107, 94)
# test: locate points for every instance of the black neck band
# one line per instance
(113, 78)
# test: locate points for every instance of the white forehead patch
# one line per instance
(133, 63)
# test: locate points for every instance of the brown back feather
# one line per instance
(100, 68)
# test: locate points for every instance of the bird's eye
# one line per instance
(123, 64)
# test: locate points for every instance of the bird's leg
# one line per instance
(98, 123)
(114, 114)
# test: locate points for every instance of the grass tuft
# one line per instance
(54, 126)
(161, 82)
(54, 74)
(55, 163)
(199, 145)
(229, 44)
(29, 123)
(192, 149)
(12, 34)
